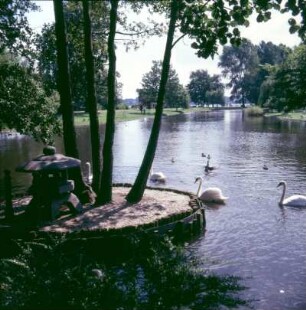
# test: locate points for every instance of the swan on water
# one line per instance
(157, 176)
(211, 194)
(294, 200)
(208, 167)
(88, 174)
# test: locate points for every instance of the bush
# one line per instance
(254, 111)
(159, 276)
(122, 106)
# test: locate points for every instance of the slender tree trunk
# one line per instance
(92, 99)
(63, 82)
(137, 190)
(105, 193)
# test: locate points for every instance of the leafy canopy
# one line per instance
(15, 32)
(204, 88)
(176, 95)
(210, 23)
(24, 105)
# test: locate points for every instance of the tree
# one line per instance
(137, 190)
(272, 54)
(24, 106)
(15, 33)
(269, 55)
(91, 97)
(284, 88)
(208, 23)
(215, 94)
(105, 192)
(63, 82)
(240, 65)
(175, 93)
(204, 89)
(176, 96)
(46, 47)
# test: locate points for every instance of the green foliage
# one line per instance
(24, 105)
(122, 106)
(211, 23)
(46, 46)
(15, 33)
(176, 95)
(247, 67)
(284, 89)
(205, 89)
(240, 65)
(44, 275)
(296, 8)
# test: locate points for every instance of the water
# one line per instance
(251, 236)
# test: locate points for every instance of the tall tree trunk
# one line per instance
(105, 193)
(92, 99)
(137, 190)
(63, 85)
(63, 81)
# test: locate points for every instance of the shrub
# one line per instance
(159, 276)
(254, 111)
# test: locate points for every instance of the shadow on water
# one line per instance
(155, 275)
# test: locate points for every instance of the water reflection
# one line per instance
(251, 236)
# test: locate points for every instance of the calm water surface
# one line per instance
(251, 236)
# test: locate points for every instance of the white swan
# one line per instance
(211, 194)
(157, 176)
(88, 174)
(294, 200)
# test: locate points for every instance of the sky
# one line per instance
(133, 65)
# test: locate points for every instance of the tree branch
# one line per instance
(178, 39)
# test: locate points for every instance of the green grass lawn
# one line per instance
(131, 114)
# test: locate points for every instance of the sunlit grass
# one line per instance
(131, 114)
(299, 116)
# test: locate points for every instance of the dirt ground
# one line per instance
(155, 205)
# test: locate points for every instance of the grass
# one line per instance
(294, 115)
(131, 114)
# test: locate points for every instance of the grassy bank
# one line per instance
(294, 115)
(131, 114)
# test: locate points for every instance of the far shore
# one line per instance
(294, 115)
(82, 118)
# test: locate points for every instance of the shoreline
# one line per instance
(161, 211)
(291, 116)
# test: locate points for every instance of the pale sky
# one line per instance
(134, 64)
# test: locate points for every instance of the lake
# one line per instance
(251, 236)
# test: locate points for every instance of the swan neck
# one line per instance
(199, 188)
(283, 194)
